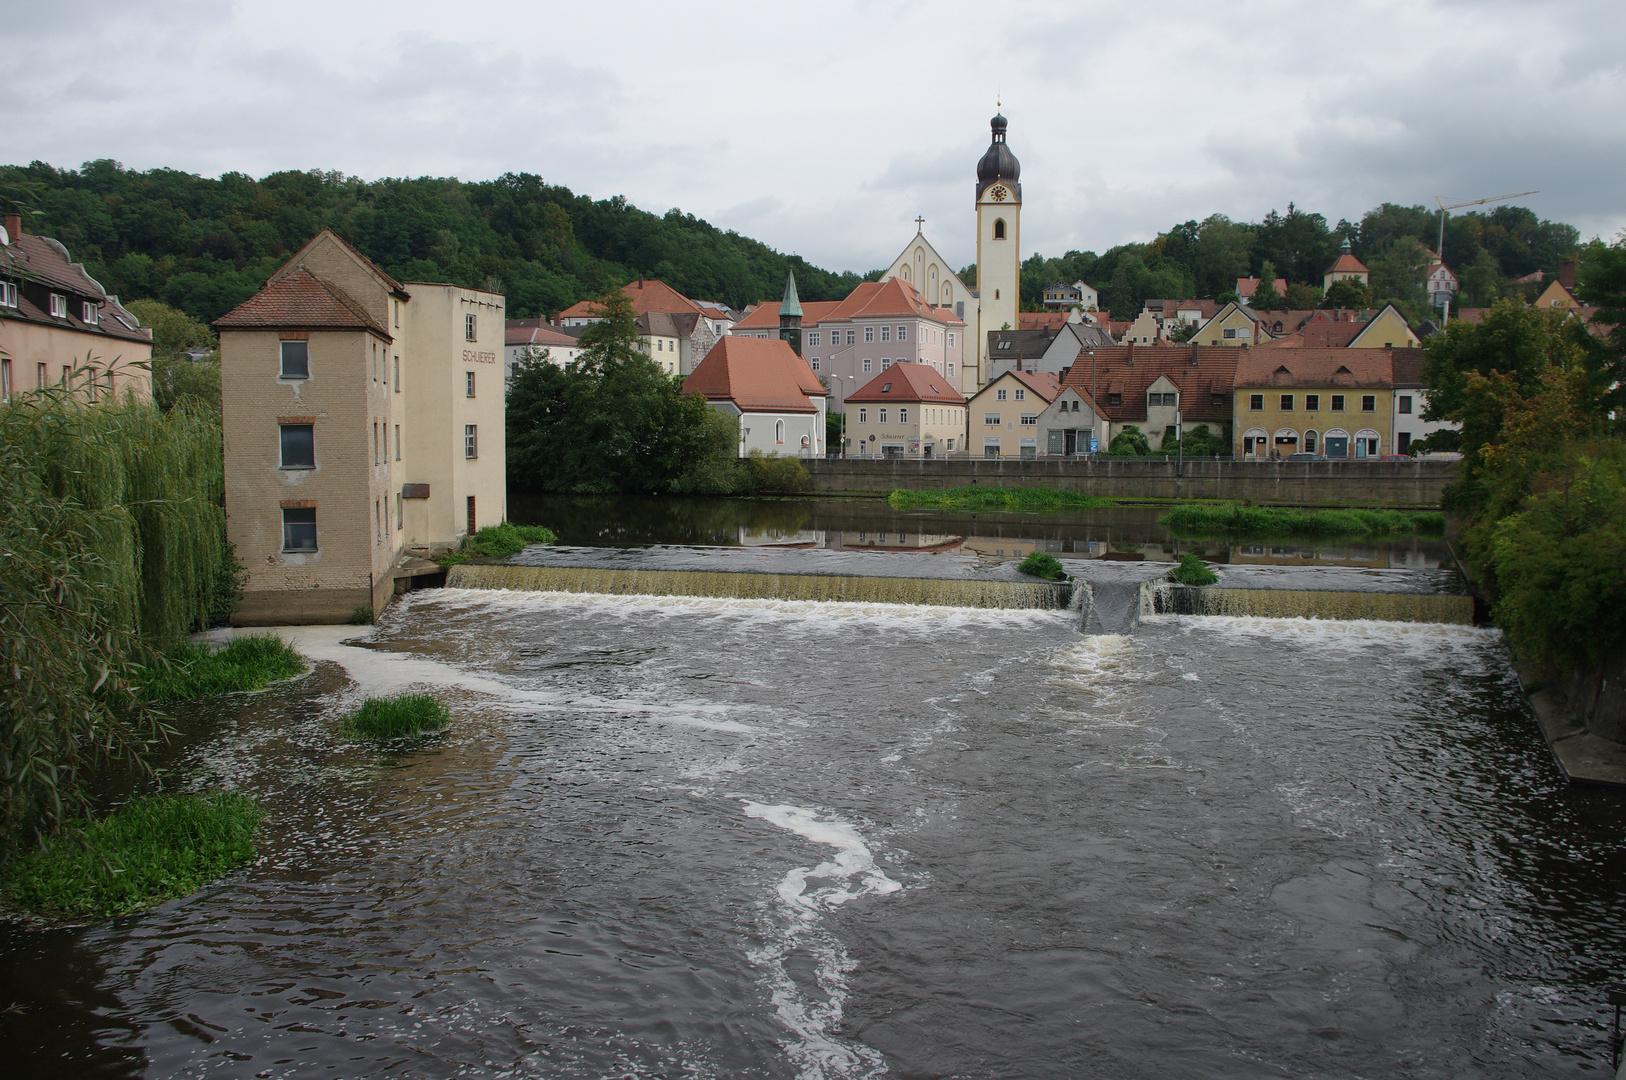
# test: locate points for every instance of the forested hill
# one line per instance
(205, 245)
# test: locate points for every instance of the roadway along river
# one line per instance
(720, 838)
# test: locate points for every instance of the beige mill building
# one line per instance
(364, 425)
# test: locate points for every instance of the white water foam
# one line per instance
(796, 926)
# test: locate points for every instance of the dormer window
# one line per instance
(8, 294)
(90, 311)
(59, 306)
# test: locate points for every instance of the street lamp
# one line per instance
(841, 399)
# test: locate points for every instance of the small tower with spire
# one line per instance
(790, 315)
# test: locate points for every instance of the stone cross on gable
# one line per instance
(920, 224)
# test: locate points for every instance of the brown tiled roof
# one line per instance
(1039, 320)
(1207, 308)
(908, 382)
(1247, 286)
(301, 300)
(1346, 264)
(44, 261)
(1316, 367)
(756, 374)
(294, 263)
(1318, 335)
(1408, 368)
(1199, 371)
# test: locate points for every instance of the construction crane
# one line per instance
(1440, 251)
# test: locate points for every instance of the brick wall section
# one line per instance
(1409, 484)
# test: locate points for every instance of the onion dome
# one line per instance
(998, 163)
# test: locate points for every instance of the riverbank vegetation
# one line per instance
(149, 851)
(191, 671)
(1042, 565)
(612, 422)
(1192, 571)
(496, 541)
(115, 548)
(1541, 398)
(1235, 519)
(397, 717)
(991, 500)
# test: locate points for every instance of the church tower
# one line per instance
(790, 314)
(999, 230)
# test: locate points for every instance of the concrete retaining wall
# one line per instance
(1279, 483)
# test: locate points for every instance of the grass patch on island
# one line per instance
(1192, 571)
(1041, 565)
(397, 717)
(197, 671)
(495, 541)
(1022, 500)
(1208, 519)
(149, 851)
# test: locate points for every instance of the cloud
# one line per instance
(828, 136)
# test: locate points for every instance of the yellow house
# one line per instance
(1557, 296)
(908, 410)
(1387, 330)
(1232, 324)
(1333, 403)
(1005, 413)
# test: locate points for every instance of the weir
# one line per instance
(745, 585)
(1158, 598)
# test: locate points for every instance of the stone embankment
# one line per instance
(1403, 484)
(1584, 719)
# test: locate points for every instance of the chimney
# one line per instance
(1018, 363)
(1130, 359)
(1566, 269)
(14, 225)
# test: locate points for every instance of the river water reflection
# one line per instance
(720, 838)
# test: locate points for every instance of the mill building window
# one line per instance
(296, 360)
(397, 442)
(471, 443)
(298, 446)
(299, 528)
(468, 327)
(468, 384)
(397, 374)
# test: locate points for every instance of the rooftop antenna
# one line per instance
(1440, 251)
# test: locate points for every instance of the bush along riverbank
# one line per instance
(151, 850)
(1209, 519)
(1041, 565)
(1192, 571)
(497, 541)
(1020, 500)
(115, 542)
(397, 717)
(1541, 489)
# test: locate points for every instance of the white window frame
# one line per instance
(990, 419)
(1030, 419)
(903, 415)
(886, 333)
(8, 294)
(1021, 394)
(470, 328)
(869, 335)
(90, 312)
(815, 362)
(863, 416)
(867, 363)
(468, 384)
(903, 333)
(471, 442)
(999, 395)
(812, 337)
(880, 415)
(59, 306)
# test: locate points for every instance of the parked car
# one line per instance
(1396, 457)
(1303, 456)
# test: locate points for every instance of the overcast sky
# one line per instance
(823, 129)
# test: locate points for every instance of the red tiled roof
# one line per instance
(1346, 264)
(302, 300)
(1318, 334)
(1247, 286)
(765, 316)
(1198, 371)
(294, 262)
(756, 374)
(1408, 368)
(908, 382)
(1316, 367)
(646, 294)
(1040, 320)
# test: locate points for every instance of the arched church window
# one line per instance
(905, 272)
(778, 431)
(948, 294)
(999, 228)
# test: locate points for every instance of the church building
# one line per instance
(993, 305)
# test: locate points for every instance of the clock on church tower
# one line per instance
(999, 219)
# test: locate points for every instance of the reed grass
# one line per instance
(1022, 500)
(149, 851)
(1192, 571)
(196, 671)
(397, 717)
(1042, 565)
(1208, 519)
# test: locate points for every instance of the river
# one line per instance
(701, 837)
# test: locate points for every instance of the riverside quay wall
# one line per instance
(1269, 483)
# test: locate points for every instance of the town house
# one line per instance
(1004, 414)
(909, 410)
(1335, 403)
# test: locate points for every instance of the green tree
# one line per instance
(1602, 283)
(1481, 280)
(1347, 293)
(1300, 297)
(1130, 442)
(1265, 297)
(176, 373)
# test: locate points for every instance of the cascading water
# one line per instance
(745, 585)
(1161, 598)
